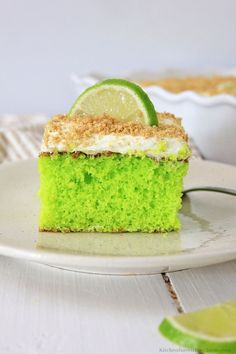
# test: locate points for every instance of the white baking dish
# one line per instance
(209, 120)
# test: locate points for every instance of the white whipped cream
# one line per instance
(123, 144)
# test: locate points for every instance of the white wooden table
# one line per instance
(50, 311)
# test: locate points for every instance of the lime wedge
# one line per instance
(209, 330)
(117, 98)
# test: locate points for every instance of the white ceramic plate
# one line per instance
(208, 235)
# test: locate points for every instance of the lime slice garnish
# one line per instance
(117, 98)
(209, 330)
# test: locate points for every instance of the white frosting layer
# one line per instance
(123, 144)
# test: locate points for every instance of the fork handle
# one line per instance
(211, 189)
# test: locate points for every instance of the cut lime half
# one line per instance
(211, 330)
(116, 98)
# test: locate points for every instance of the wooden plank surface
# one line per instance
(197, 288)
(50, 311)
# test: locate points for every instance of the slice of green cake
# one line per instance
(99, 174)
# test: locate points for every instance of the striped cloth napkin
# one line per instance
(21, 136)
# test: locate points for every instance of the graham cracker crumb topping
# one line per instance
(209, 86)
(70, 130)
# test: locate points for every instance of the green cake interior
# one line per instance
(112, 193)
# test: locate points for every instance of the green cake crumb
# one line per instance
(110, 193)
(183, 152)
